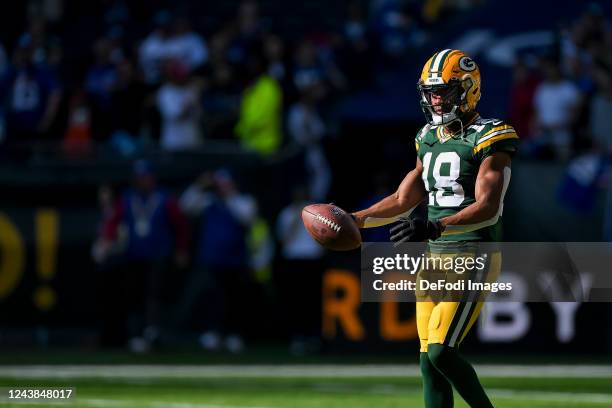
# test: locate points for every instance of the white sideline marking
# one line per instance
(191, 405)
(117, 403)
(274, 371)
(551, 396)
(388, 389)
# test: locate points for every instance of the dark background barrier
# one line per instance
(49, 283)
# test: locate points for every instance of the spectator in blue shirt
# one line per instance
(31, 96)
(221, 275)
(102, 79)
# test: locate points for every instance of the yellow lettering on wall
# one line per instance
(391, 327)
(12, 256)
(47, 226)
(342, 310)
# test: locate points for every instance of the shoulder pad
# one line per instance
(423, 132)
(487, 122)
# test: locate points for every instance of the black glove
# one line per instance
(416, 230)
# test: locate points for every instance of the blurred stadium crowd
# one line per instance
(133, 83)
(164, 82)
(131, 77)
(563, 106)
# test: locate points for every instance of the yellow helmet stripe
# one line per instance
(428, 65)
(431, 63)
(489, 142)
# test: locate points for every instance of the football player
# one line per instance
(462, 171)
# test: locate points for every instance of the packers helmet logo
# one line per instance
(467, 64)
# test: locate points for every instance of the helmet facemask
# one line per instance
(452, 101)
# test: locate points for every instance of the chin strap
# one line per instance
(461, 133)
(452, 113)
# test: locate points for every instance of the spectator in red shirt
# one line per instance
(521, 99)
(156, 230)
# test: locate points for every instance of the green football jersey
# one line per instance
(450, 167)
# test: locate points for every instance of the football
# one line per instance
(331, 227)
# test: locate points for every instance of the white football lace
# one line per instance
(328, 222)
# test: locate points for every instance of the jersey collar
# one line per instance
(443, 137)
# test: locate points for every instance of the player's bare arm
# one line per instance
(493, 175)
(409, 194)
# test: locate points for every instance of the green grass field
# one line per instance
(197, 386)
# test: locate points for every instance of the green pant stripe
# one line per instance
(455, 322)
(471, 309)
